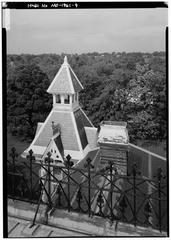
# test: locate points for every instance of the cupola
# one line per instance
(65, 87)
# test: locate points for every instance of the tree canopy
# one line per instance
(117, 86)
(27, 100)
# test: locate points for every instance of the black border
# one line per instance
(84, 5)
(4, 131)
(71, 5)
(167, 113)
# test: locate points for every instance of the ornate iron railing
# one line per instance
(134, 199)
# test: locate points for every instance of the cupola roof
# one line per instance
(65, 81)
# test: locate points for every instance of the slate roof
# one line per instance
(38, 127)
(68, 135)
(68, 122)
(76, 129)
(65, 81)
(85, 119)
(80, 126)
(59, 144)
(91, 134)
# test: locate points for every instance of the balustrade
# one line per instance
(102, 192)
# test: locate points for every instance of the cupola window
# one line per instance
(66, 99)
(58, 98)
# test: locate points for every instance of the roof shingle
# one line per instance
(65, 81)
(68, 135)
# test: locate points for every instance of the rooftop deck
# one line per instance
(64, 224)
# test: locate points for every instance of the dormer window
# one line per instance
(58, 98)
(66, 99)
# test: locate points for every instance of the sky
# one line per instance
(86, 30)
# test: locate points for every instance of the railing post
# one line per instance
(68, 165)
(122, 206)
(59, 196)
(100, 203)
(49, 160)
(79, 197)
(134, 172)
(89, 192)
(134, 187)
(159, 177)
(13, 154)
(30, 157)
(89, 166)
(147, 213)
(111, 190)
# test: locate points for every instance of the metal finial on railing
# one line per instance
(159, 175)
(31, 158)
(14, 155)
(135, 170)
(111, 164)
(88, 165)
(48, 160)
(68, 161)
(31, 152)
(68, 164)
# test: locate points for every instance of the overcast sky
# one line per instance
(88, 30)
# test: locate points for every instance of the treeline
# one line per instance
(123, 86)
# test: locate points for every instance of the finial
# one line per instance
(65, 59)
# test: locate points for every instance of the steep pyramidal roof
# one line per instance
(68, 129)
(74, 138)
(65, 81)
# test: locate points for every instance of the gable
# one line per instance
(55, 153)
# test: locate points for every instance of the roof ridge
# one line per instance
(70, 79)
(42, 127)
(75, 76)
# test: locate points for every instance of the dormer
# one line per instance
(65, 88)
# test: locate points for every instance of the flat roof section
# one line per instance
(113, 133)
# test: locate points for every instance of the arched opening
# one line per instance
(66, 99)
(58, 98)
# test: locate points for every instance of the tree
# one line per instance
(26, 99)
(119, 86)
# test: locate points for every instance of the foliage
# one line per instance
(119, 86)
(27, 100)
